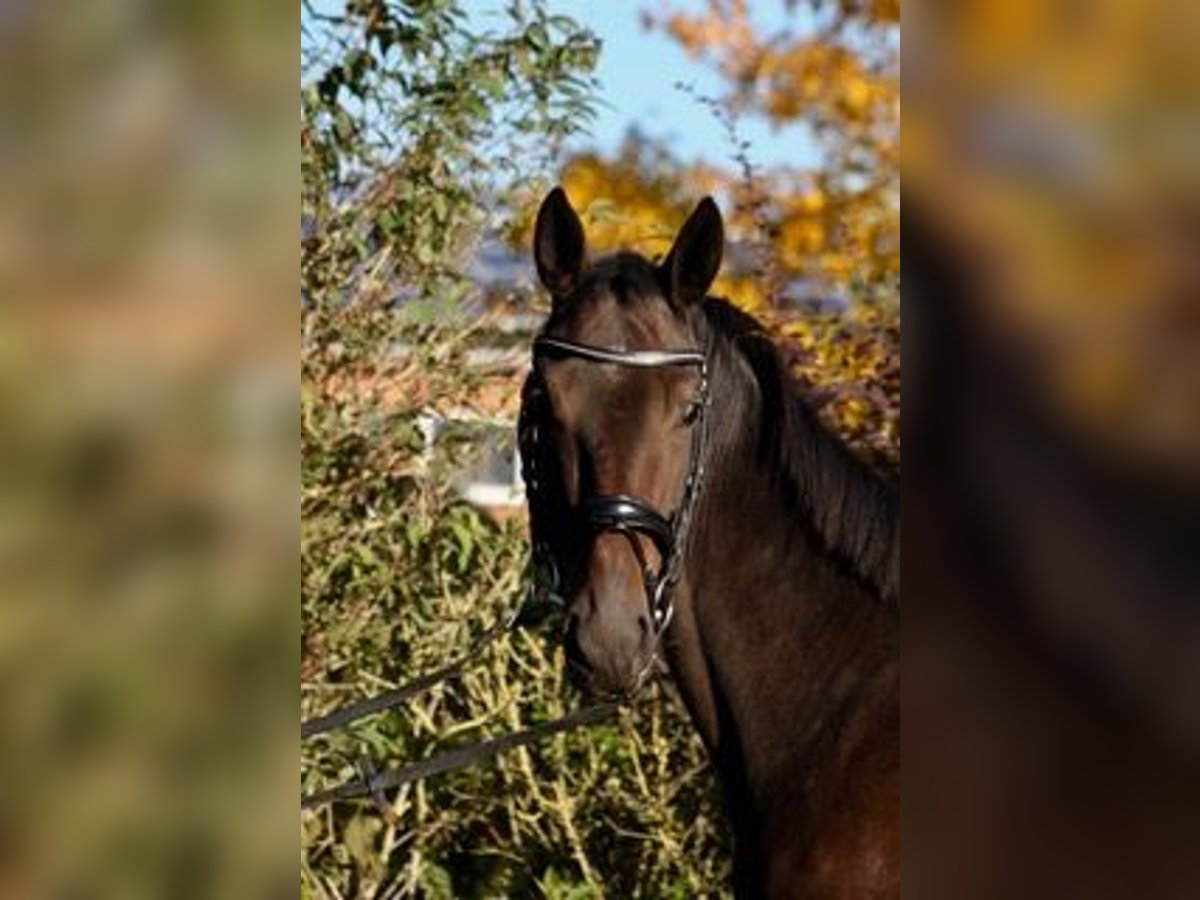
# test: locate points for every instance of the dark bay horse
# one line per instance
(691, 503)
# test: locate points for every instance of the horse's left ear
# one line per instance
(690, 267)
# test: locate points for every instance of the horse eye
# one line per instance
(692, 411)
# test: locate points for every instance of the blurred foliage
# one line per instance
(416, 124)
(1058, 145)
(1050, 171)
(147, 502)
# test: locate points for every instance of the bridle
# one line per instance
(622, 513)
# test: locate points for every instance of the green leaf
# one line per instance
(437, 882)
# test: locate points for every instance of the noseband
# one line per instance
(624, 513)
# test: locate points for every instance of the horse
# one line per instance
(692, 508)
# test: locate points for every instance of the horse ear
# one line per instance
(690, 267)
(559, 249)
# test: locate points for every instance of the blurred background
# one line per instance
(148, 566)
(148, 516)
(1052, 486)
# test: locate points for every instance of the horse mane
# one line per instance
(849, 507)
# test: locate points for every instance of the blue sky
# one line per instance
(638, 70)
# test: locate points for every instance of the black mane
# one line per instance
(852, 509)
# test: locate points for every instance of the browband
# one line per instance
(647, 359)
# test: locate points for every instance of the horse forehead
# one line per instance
(611, 313)
(607, 395)
(616, 403)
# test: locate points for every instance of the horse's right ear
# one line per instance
(694, 259)
(559, 249)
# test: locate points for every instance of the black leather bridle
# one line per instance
(623, 513)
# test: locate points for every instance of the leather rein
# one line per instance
(624, 513)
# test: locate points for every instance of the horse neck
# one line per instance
(776, 639)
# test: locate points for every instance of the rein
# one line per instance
(361, 709)
(372, 784)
